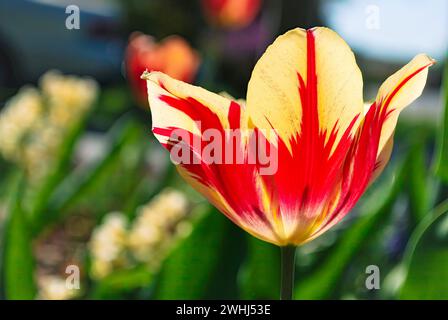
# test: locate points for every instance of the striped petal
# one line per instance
(372, 147)
(234, 188)
(316, 59)
(308, 88)
(164, 91)
(400, 90)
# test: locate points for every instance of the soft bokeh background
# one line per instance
(85, 187)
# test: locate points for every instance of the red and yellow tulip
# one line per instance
(232, 14)
(173, 56)
(307, 89)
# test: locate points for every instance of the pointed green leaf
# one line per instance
(46, 187)
(419, 183)
(18, 254)
(78, 183)
(188, 271)
(426, 259)
(442, 138)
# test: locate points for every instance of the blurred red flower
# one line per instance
(231, 13)
(173, 56)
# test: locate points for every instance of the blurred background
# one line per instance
(90, 206)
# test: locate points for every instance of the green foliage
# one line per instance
(78, 184)
(420, 184)
(18, 268)
(426, 258)
(260, 275)
(189, 270)
(40, 200)
(121, 283)
(323, 280)
(442, 138)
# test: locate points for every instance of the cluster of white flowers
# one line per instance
(157, 225)
(35, 122)
(107, 245)
(156, 228)
(20, 115)
(54, 288)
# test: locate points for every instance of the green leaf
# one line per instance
(189, 270)
(78, 183)
(121, 282)
(65, 152)
(419, 183)
(426, 258)
(18, 254)
(260, 275)
(148, 188)
(321, 283)
(442, 137)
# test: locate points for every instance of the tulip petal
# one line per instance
(199, 105)
(234, 188)
(400, 90)
(372, 147)
(294, 90)
(334, 82)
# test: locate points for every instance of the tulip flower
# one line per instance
(231, 14)
(305, 97)
(173, 56)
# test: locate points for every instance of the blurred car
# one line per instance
(34, 38)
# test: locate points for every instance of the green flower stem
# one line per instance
(288, 254)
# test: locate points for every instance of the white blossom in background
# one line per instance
(148, 239)
(107, 245)
(54, 288)
(157, 226)
(18, 118)
(36, 121)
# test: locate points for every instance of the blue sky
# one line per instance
(405, 27)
